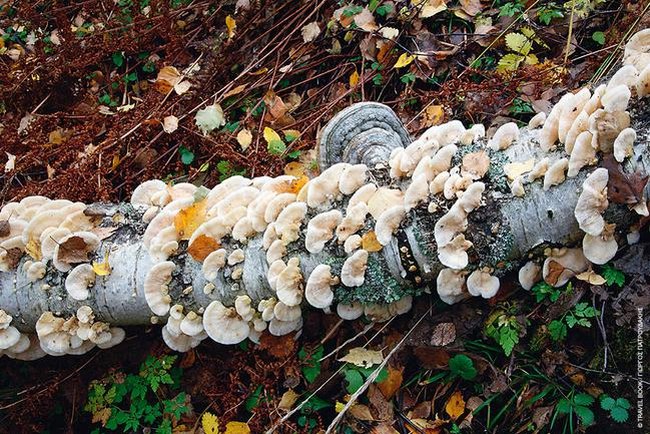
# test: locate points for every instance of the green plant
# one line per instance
(580, 315)
(509, 9)
(549, 12)
(139, 402)
(504, 328)
(226, 170)
(187, 156)
(355, 376)
(612, 276)
(311, 362)
(521, 45)
(574, 404)
(617, 408)
(408, 78)
(598, 37)
(313, 405)
(462, 366)
(544, 291)
(520, 107)
(107, 100)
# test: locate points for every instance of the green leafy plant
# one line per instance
(520, 107)
(139, 402)
(613, 276)
(544, 291)
(226, 170)
(509, 9)
(355, 376)
(580, 315)
(575, 404)
(617, 408)
(408, 78)
(598, 37)
(504, 329)
(187, 156)
(521, 45)
(311, 364)
(462, 366)
(549, 12)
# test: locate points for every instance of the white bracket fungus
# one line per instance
(224, 325)
(504, 136)
(79, 280)
(320, 230)
(288, 285)
(450, 285)
(481, 282)
(156, 291)
(593, 202)
(354, 269)
(388, 222)
(318, 291)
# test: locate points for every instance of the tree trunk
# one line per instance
(505, 231)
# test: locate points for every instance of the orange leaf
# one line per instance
(392, 383)
(455, 405)
(369, 242)
(202, 246)
(298, 184)
(354, 78)
(189, 219)
(294, 169)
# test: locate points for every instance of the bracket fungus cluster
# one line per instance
(385, 218)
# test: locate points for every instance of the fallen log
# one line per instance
(387, 219)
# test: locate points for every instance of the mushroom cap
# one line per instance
(592, 202)
(318, 290)
(450, 285)
(143, 192)
(192, 324)
(637, 50)
(181, 343)
(582, 154)
(354, 220)
(85, 314)
(349, 312)
(377, 312)
(9, 337)
(480, 282)
(286, 313)
(599, 249)
(237, 256)
(417, 192)
(155, 287)
(454, 254)
(20, 346)
(281, 328)
(243, 307)
(224, 325)
(624, 144)
(33, 352)
(537, 121)
(504, 136)
(401, 306)
(213, 263)
(288, 285)
(562, 265)
(616, 99)
(352, 243)
(320, 230)
(288, 223)
(352, 178)
(77, 283)
(388, 222)
(117, 336)
(276, 251)
(363, 194)
(529, 275)
(325, 187)
(354, 269)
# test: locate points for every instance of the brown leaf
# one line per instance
(443, 334)
(432, 358)
(188, 360)
(626, 188)
(73, 250)
(361, 412)
(392, 382)
(421, 411)
(13, 257)
(555, 270)
(279, 347)
(288, 399)
(542, 416)
(471, 7)
(103, 232)
(202, 246)
(382, 408)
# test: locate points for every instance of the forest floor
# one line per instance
(97, 96)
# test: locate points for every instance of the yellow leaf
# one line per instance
(370, 243)
(202, 246)
(102, 268)
(210, 423)
(239, 89)
(298, 184)
(338, 407)
(115, 162)
(288, 399)
(518, 43)
(231, 24)
(456, 405)
(33, 249)
(294, 169)
(237, 428)
(404, 60)
(392, 382)
(270, 135)
(189, 219)
(354, 78)
(244, 138)
(591, 277)
(434, 115)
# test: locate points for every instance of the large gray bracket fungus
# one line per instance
(387, 219)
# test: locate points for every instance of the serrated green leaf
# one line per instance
(563, 406)
(518, 43)
(583, 399)
(624, 403)
(607, 402)
(619, 414)
(613, 276)
(585, 414)
(509, 62)
(557, 330)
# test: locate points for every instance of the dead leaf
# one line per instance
(591, 277)
(433, 115)
(455, 406)
(363, 357)
(231, 25)
(279, 347)
(189, 219)
(392, 382)
(310, 32)
(33, 249)
(288, 399)
(13, 257)
(11, 162)
(73, 250)
(472, 404)
(103, 232)
(170, 124)
(202, 246)
(5, 229)
(366, 20)
(239, 89)
(370, 243)
(443, 334)
(471, 7)
(244, 138)
(354, 79)
(404, 59)
(432, 358)
(518, 168)
(623, 187)
(380, 406)
(430, 7)
(555, 270)
(102, 268)
(361, 412)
